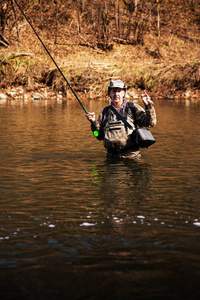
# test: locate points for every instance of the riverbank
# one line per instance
(166, 68)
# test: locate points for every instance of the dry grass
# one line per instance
(160, 65)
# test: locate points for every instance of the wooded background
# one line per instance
(145, 43)
(100, 23)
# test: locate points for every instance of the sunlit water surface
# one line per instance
(75, 225)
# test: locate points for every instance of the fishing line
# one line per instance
(96, 133)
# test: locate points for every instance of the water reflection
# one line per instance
(119, 177)
(78, 224)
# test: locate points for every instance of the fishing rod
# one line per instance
(96, 133)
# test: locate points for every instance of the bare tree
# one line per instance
(158, 17)
(4, 15)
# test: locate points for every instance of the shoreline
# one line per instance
(47, 93)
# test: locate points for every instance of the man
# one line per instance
(117, 122)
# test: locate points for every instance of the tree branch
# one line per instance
(3, 40)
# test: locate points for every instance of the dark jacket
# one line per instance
(115, 133)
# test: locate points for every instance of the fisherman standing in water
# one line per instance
(117, 122)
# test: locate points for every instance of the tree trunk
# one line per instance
(118, 14)
(158, 17)
(4, 8)
(78, 15)
(41, 19)
(56, 17)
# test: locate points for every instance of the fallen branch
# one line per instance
(4, 40)
(186, 37)
(124, 41)
(87, 44)
(11, 55)
(14, 55)
(3, 44)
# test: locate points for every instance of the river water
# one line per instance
(75, 225)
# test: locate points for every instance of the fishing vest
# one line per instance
(117, 134)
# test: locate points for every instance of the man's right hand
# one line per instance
(91, 116)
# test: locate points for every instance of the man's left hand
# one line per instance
(146, 99)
